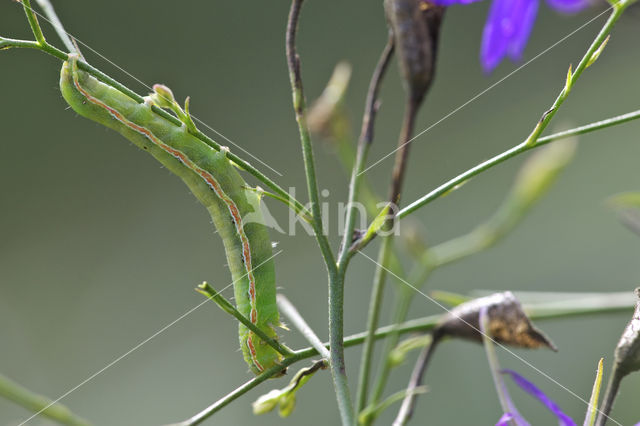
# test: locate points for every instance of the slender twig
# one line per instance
(406, 410)
(226, 306)
(33, 22)
(613, 386)
(538, 311)
(37, 403)
(336, 277)
(50, 12)
(494, 367)
(401, 310)
(375, 304)
(364, 143)
(402, 155)
(299, 107)
(45, 47)
(372, 323)
(533, 140)
(290, 311)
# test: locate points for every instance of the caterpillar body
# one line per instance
(214, 181)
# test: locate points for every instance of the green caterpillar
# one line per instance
(214, 180)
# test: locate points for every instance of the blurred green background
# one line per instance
(100, 247)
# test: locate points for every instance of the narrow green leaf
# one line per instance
(592, 410)
(598, 51)
(569, 82)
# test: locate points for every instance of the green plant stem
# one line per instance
(533, 140)
(299, 107)
(228, 307)
(336, 276)
(33, 23)
(39, 404)
(45, 47)
(384, 252)
(52, 16)
(401, 310)
(364, 143)
(537, 311)
(372, 323)
(290, 311)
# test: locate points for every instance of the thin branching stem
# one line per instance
(38, 403)
(299, 107)
(400, 312)
(33, 22)
(406, 409)
(538, 311)
(364, 143)
(373, 318)
(228, 307)
(51, 14)
(386, 247)
(533, 140)
(44, 46)
(292, 314)
(336, 276)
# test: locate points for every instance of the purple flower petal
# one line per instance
(532, 390)
(568, 6)
(507, 30)
(494, 39)
(526, 16)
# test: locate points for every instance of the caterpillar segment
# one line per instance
(215, 182)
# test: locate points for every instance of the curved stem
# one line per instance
(364, 143)
(406, 410)
(401, 310)
(538, 311)
(299, 107)
(533, 140)
(290, 311)
(45, 47)
(613, 387)
(336, 276)
(213, 294)
(51, 14)
(33, 23)
(375, 304)
(372, 323)
(37, 403)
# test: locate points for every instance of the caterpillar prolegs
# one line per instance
(216, 183)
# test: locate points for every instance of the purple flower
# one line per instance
(509, 25)
(533, 390)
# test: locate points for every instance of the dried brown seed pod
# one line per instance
(628, 350)
(415, 25)
(508, 323)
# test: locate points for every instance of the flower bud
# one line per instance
(162, 96)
